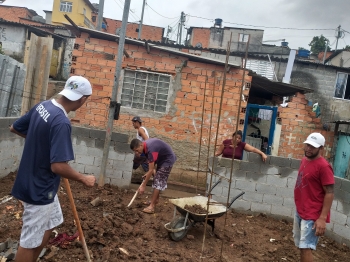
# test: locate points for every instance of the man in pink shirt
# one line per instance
(313, 196)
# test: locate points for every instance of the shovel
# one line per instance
(137, 191)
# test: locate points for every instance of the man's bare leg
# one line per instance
(306, 255)
(32, 254)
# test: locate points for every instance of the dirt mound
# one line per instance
(114, 232)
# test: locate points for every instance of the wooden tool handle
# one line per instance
(133, 198)
(76, 218)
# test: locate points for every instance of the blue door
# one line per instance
(342, 156)
(259, 126)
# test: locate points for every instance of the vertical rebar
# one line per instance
(201, 133)
(216, 137)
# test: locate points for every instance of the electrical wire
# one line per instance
(129, 11)
(272, 27)
(160, 14)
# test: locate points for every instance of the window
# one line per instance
(66, 7)
(93, 19)
(144, 90)
(261, 67)
(243, 38)
(342, 86)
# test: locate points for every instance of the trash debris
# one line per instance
(123, 250)
(63, 240)
(323, 245)
(5, 199)
(96, 202)
(272, 240)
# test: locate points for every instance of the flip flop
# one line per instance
(146, 203)
(147, 210)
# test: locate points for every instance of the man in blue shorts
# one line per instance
(160, 153)
(313, 196)
(47, 150)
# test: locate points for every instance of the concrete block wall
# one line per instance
(88, 149)
(11, 147)
(269, 189)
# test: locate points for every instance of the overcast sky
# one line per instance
(301, 14)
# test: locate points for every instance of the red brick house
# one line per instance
(15, 13)
(166, 89)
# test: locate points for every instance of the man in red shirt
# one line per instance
(313, 196)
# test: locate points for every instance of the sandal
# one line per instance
(148, 210)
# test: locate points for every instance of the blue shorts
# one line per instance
(304, 235)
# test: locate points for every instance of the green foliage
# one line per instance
(318, 44)
(347, 47)
(301, 48)
(1, 52)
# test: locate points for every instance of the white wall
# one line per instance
(13, 40)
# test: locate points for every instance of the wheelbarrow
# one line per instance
(180, 224)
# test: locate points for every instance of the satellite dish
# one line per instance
(117, 31)
(199, 45)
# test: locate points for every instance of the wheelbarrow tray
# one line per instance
(215, 208)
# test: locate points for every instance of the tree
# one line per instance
(318, 44)
(347, 47)
(301, 48)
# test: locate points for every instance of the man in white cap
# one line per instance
(47, 150)
(313, 196)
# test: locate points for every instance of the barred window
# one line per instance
(144, 90)
(66, 7)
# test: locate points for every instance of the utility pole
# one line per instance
(113, 103)
(100, 15)
(141, 21)
(339, 34)
(182, 22)
(167, 34)
(325, 51)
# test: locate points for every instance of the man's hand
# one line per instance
(142, 188)
(320, 225)
(89, 180)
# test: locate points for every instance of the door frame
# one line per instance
(272, 125)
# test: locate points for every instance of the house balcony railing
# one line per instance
(88, 23)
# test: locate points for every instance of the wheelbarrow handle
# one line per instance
(235, 198)
(211, 189)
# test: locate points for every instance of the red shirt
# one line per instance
(228, 149)
(308, 191)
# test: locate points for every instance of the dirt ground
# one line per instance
(111, 226)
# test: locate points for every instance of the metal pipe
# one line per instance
(100, 15)
(141, 21)
(113, 101)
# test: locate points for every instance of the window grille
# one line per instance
(66, 7)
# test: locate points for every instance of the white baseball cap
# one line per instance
(315, 139)
(76, 87)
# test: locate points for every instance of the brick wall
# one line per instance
(298, 121)
(54, 87)
(200, 35)
(153, 33)
(269, 189)
(181, 125)
(12, 13)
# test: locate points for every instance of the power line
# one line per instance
(272, 27)
(133, 15)
(159, 13)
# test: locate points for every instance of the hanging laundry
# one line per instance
(316, 108)
(265, 114)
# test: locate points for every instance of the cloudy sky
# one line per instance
(274, 16)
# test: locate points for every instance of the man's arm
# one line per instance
(147, 177)
(250, 148)
(142, 133)
(16, 132)
(64, 170)
(320, 223)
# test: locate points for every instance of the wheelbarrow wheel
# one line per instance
(178, 222)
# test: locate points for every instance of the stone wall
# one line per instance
(11, 147)
(269, 189)
(88, 150)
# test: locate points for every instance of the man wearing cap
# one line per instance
(141, 135)
(47, 150)
(313, 196)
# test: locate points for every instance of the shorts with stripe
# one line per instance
(161, 177)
